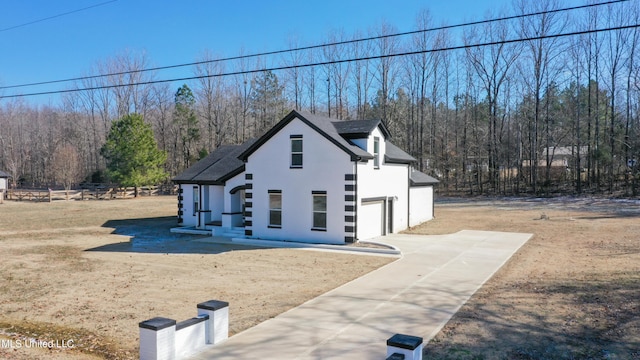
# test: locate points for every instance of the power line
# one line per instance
(322, 63)
(311, 47)
(56, 16)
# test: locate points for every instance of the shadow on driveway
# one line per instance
(153, 236)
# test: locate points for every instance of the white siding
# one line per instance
(324, 168)
(421, 208)
(216, 200)
(3, 184)
(188, 217)
(235, 181)
(390, 181)
(371, 213)
(232, 204)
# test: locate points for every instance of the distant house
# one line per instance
(4, 181)
(560, 157)
(309, 179)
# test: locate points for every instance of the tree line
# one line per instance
(491, 119)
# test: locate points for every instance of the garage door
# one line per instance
(371, 215)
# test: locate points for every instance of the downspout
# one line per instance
(355, 233)
(180, 204)
(408, 195)
(433, 203)
(200, 206)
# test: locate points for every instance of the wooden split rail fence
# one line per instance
(83, 194)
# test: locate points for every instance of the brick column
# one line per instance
(158, 339)
(217, 328)
(407, 346)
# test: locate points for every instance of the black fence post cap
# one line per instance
(213, 305)
(157, 323)
(404, 341)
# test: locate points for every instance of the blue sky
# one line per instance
(174, 32)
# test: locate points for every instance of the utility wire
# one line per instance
(322, 63)
(56, 16)
(311, 47)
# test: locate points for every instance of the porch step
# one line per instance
(234, 233)
(190, 230)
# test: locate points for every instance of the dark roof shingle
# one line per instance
(396, 155)
(352, 129)
(417, 178)
(222, 164)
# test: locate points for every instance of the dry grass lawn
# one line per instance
(571, 292)
(70, 272)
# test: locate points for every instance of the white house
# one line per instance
(308, 179)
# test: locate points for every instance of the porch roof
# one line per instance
(218, 167)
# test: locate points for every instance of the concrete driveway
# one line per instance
(415, 295)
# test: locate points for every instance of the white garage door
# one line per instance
(371, 215)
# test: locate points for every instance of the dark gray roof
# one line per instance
(417, 178)
(4, 174)
(322, 125)
(218, 167)
(394, 154)
(353, 129)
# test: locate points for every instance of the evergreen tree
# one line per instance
(132, 154)
(267, 100)
(184, 116)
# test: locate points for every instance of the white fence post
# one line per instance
(406, 347)
(158, 339)
(217, 328)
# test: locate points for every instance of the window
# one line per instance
(196, 200)
(319, 210)
(275, 208)
(296, 151)
(376, 152)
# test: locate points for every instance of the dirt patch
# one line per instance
(91, 271)
(572, 292)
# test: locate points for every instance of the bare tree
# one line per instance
(421, 69)
(386, 70)
(210, 96)
(243, 89)
(616, 41)
(492, 64)
(361, 74)
(537, 64)
(126, 69)
(337, 74)
(294, 75)
(66, 166)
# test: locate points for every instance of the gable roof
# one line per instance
(4, 174)
(218, 167)
(354, 129)
(417, 178)
(323, 125)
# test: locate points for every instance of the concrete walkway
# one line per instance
(415, 295)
